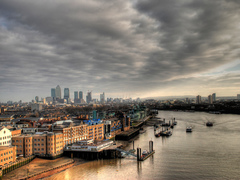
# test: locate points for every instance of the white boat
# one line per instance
(189, 129)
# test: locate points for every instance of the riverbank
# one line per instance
(40, 165)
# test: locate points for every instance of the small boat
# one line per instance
(166, 133)
(209, 124)
(189, 129)
(145, 152)
(158, 134)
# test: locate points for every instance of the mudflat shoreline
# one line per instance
(40, 165)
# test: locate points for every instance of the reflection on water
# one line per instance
(206, 153)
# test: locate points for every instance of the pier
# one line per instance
(142, 157)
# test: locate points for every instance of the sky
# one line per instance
(135, 48)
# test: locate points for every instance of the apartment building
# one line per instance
(42, 144)
(7, 155)
(5, 136)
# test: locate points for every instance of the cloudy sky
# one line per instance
(138, 48)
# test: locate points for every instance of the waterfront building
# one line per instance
(53, 93)
(7, 155)
(198, 99)
(72, 134)
(58, 92)
(66, 93)
(45, 144)
(5, 136)
(102, 98)
(214, 97)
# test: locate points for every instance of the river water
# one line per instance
(206, 153)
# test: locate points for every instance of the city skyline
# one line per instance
(125, 49)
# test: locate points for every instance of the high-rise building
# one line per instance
(76, 95)
(210, 99)
(214, 97)
(53, 93)
(37, 99)
(89, 97)
(198, 99)
(80, 95)
(238, 96)
(102, 98)
(58, 92)
(66, 93)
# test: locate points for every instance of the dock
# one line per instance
(127, 135)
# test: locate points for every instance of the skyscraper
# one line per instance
(66, 93)
(75, 95)
(80, 95)
(214, 97)
(210, 99)
(89, 97)
(198, 99)
(58, 92)
(102, 98)
(53, 93)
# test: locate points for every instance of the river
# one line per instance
(206, 153)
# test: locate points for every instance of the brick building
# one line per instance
(7, 155)
(42, 144)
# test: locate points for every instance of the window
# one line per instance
(13, 141)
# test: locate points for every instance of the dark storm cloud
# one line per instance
(113, 45)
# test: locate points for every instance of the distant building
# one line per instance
(210, 99)
(76, 95)
(80, 95)
(36, 107)
(58, 92)
(53, 93)
(214, 97)
(37, 99)
(198, 99)
(66, 93)
(102, 98)
(89, 97)
(238, 96)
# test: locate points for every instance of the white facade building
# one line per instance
(5, 137)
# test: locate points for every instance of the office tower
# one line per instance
(198, 99)
(66, 93)
(89, 97)
(102, 98)
(210, 99)
(37, 99)
(80, 95)
(58, 92)
(76, 95)
(214, 97)
(53, 93)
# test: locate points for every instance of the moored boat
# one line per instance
(189, 129)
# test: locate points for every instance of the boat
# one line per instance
(145, 152)
(189, 129)
(158, 134)
(209, 124)
(166, 132)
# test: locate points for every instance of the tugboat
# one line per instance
(189, 129)
(209, 124)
